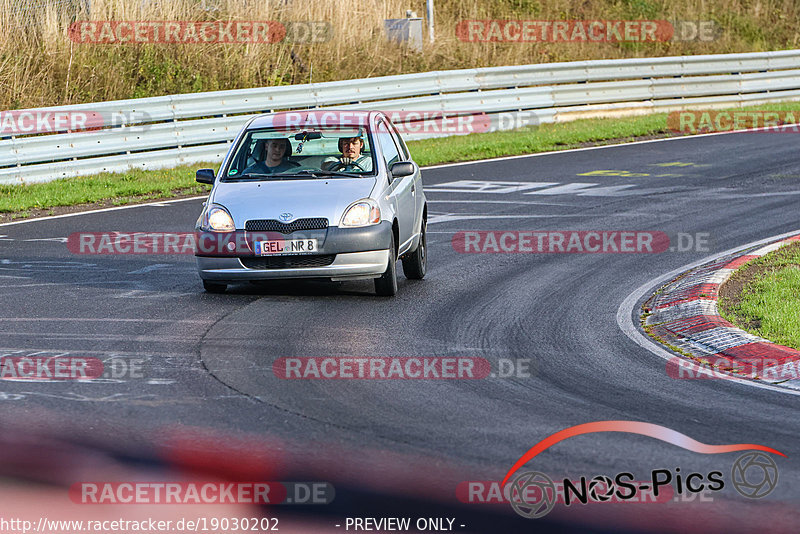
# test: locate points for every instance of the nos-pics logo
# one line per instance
(533, 494)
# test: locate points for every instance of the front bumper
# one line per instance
(359, 253)
(346, 266)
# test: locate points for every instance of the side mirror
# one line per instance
(402, 168)
(205, 176)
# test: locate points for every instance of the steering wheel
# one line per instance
(340, 165)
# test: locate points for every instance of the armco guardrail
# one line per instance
(171, 130)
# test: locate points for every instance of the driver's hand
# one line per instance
(345, 160)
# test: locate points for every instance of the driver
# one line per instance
(351, 159)
(276, 160)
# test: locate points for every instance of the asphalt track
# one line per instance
(402, 446)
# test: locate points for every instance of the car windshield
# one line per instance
(278, 154)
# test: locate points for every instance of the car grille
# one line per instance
(288, 262)
(272, 225)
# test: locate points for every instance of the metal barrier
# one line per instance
(166, 131)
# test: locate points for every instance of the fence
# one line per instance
(23, 11)
(190, 128)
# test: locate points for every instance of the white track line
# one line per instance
(626, 321)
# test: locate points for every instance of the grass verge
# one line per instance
(763, 297)
(112, 189)
(97, 191)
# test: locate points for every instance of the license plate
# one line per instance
(286, 246)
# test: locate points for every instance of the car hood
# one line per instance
(300, 198)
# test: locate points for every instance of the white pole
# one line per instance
(429, 9)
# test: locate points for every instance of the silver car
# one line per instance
(314, 194)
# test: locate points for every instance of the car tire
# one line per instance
(214, 287)
(386, 285)
(415, 264)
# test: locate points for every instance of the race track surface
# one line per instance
(206, 360)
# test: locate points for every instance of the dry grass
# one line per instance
(40, 66)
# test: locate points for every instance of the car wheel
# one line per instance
(386, 285)
(416, 263)
(214, 287)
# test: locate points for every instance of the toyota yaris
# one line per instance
(314, 194)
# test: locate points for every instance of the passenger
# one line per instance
(276, 160)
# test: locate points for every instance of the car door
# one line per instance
(400, 189)
(416, 186)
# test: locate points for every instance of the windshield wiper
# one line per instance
(308, 172)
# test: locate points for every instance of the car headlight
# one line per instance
(218, 220)
(362, 213)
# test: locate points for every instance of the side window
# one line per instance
(400, 144)
(389, 149)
